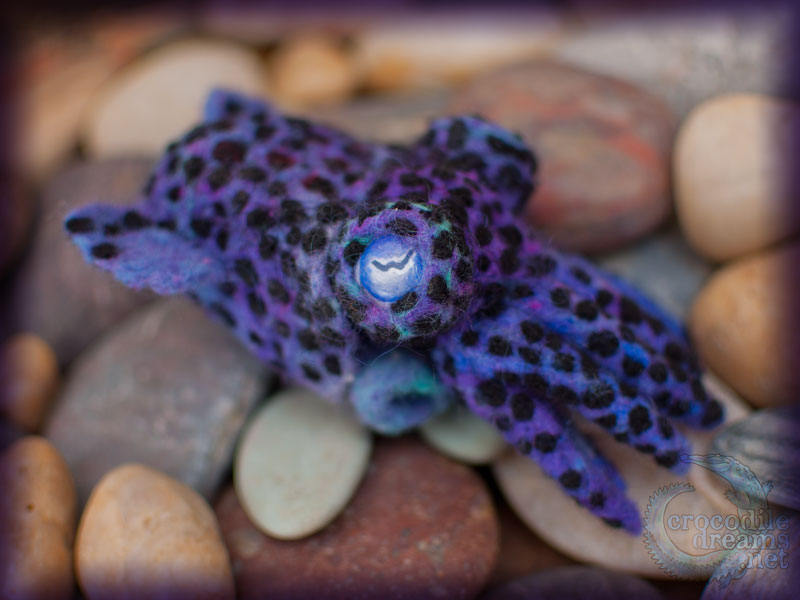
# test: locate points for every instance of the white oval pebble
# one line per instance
(543, 505)
(731, 159)
(299, 461)
(162, 95)
(461, 435)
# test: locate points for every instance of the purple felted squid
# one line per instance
(402, 279)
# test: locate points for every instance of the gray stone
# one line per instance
(169, 388)
(768, 442)
(664, 267)
(575, 582)
(686, 58)
(54, 293)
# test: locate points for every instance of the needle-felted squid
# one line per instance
(328, 256)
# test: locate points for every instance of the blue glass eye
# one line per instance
(389, 268)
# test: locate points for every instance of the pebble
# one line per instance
(768, 442)
(311, 70)
(461, 435)
(299, 461)
(575, 582)
(683, 57)
(730, 168)
(37, 520)
(603, 148)
(420, 526)
(444, 48)
(773, 573)
(30, 378)
(745, 329)
(542, 505)
(169, 388)
(391, 118)
(162, 95)
(146, 535)
(53, 292)
(664, 267)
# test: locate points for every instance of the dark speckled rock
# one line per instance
(572, 583)
(169, 388)
(54, 293)
(419, 527)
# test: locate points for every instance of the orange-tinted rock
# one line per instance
(603, 148)
(420, 526)
(28, 381)
(37, 522)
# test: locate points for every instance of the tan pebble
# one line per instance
(310, 70)
(29, 372)
(299, 461)
(37, 521)
(744, 326)
(162, 95)
(731, 170)
(461, 435)
(543, 505)
(146, 535)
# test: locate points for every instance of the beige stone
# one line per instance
(299, 462)
(159, 97)
(542, 504)
(310, 70)
(146, 535)
(37, 521)
(461, 435)
(30, 378)
(744, 325)
(731, 169)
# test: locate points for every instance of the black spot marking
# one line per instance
(607, 421)
(427, 325)
(201, 227)
(492, 392)
(520, 291)
(332, 337)
(484, 235)
(581, 275)
(308, 340)
(545, 442)
(542, 265)
(529, 355)
(597, 499)
(277, 291)
(603, 342)
(443, 245)
(267, 246)
(469, 338)
(80, 225)
(533, 332)
(630, 311)
(560, 297)
(673, 351)
(657, 372)
(570, 479)
(244, 268)
(509, 261)
(223, 313)
(668, 460)
(222, 239)
(631, 367)
(352, 252)
(639, 420)
(218, 178)
(437, 289)
(255, 338)
(499, 346)
(322, 186)
(259, 218)
(457, 135)
(483, 263)
(665, 428)
(561, 394)
(291, 211)
(522, 407)
(279, 161)
(332, 365)
(193, 167)
(712, 415)
(229, 151)
(331, 212)
(564, 362)
(402, 227)
(511, 235)
(256, 304)
(464, 270)
(553, 341)
(133, 221)
(310, 372)
(252, 174)
(586, 310)
(104, 251)
(598, 395)
(604, 298)
(314, 241)
(628, 389)
(406, 303)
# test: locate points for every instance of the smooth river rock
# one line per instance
(603, 147)
(146, 535)
(161, 95)
(54, 293)
(29, 379)
(298, 463)
(419, 527)
(461, 435)
(169, 388)
(732, 170)
(746, 328)
(37, 521)
(768, 443)
(542, 504)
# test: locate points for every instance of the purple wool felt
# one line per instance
(325, 254)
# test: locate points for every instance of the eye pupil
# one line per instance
(389, 268)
